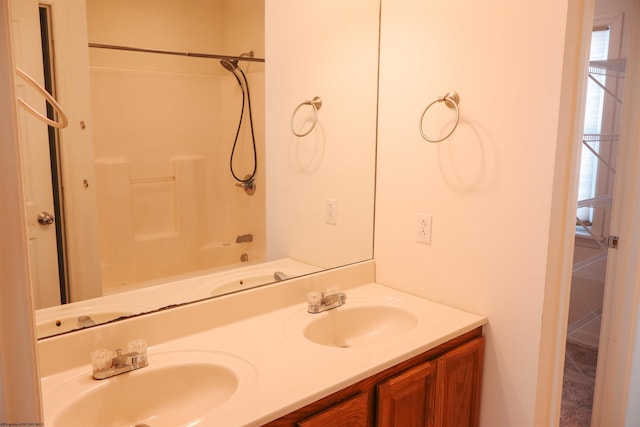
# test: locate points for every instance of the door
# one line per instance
(598, 164)
(36, 162)
(409, 399)
(459, 383)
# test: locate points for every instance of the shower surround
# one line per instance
(163, 128)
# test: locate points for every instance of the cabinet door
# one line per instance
(353, 412)
(459, 381)
(408, 399)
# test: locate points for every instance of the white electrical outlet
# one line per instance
(331, 211)
(423, 232)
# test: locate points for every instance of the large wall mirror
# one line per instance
(180, 175)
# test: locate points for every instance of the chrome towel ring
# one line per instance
(63, 118)
(316, 104)
(451, 100)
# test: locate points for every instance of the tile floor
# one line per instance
(577, 391)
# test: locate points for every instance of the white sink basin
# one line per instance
(354, 324)
(176, 389)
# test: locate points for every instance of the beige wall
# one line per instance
(224, 27)
(488, 187)
(330, 50)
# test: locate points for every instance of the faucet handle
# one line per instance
(332, 290)
(314, 298)
(314, 301)
(101, 359)
(138, 346)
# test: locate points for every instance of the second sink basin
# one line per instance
(354, 326)
(356, 323)
(176, 389)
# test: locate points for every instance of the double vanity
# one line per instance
(260, 358)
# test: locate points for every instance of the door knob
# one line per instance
(45, 218)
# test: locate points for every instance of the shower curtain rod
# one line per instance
(169, 52)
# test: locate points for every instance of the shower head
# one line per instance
(230, 65)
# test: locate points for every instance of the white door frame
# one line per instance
(19, 380)
(617, 378)
(77, 163)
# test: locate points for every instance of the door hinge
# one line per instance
(613, 242)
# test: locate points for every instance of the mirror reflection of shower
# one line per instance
(248, 182)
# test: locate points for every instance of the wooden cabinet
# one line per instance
(439, 388)
(408, 399)
(458, 385)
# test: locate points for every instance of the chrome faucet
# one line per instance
(323, 301)
(244, 238)
(107, 365)
(85, 321)
(279, 276)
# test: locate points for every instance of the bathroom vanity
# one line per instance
(440, 387)
(260, 358)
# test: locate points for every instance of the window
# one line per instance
(601, 115)
(592, 128)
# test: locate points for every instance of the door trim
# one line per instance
(617, 377)
(19, 368)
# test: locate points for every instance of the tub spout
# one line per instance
(244, 238)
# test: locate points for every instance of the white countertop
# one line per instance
(289, 370)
